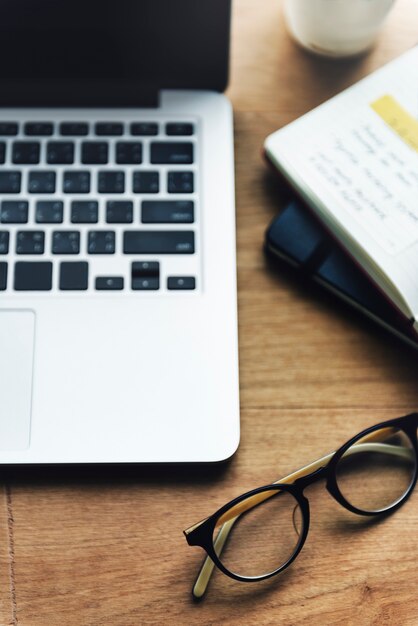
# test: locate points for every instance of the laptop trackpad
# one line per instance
(17, 334)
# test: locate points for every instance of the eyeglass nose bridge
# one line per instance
(308, 480)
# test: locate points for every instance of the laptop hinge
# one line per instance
(99, 94)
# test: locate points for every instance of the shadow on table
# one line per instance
(129, 473)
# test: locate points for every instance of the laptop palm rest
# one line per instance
(17, 334)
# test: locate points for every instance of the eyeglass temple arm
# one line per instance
(231, 516)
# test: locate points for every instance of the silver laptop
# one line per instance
(118, 324)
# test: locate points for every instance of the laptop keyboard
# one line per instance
(105, 206)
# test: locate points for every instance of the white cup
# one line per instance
(336, 28)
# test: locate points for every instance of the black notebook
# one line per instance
(299, 239)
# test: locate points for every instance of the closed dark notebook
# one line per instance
(296, 237)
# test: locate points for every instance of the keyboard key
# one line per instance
(180, 182)
(2, 151)
(145, 275)
(33, 276)
(39, 129)
(158, 242)
(85, 212)
(65, 242)
(144, 129)
(128, 152)
(76, 182)
(179, 128)
(10, 181)
(74, 276)
(181, 283)
(101, 242)
(4, 242)
(60, 152)
(14, 212)
(167, 212)
(26, 152)
(111, 182)
(41, 182)
(3, 276)
(49, 212)
(146, 269)
(109, 128)
(109, 283)
(145, 284)
(146, 182)
(171, 152)
(74, 129)
(30, 242)
(94, 152)
(8, 129)
(119, 212)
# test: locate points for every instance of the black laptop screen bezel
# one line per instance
(179, 44)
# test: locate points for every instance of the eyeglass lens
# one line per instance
(263, 538)
(377, 470)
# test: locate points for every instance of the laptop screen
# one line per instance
(110, 52)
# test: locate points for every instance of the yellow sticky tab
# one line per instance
(398, 119)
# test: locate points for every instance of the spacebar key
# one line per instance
(158, 242)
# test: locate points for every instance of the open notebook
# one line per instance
(354, 161)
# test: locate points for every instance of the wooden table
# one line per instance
(106, 547)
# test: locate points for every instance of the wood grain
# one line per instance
(104, 547)
(7, 578)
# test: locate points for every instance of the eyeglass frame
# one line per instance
(202, 533)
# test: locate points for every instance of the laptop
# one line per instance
(118, 314)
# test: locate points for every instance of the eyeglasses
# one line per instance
(260, 533)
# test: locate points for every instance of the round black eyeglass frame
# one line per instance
(201, 534)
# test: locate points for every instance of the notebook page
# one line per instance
(355, 159)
